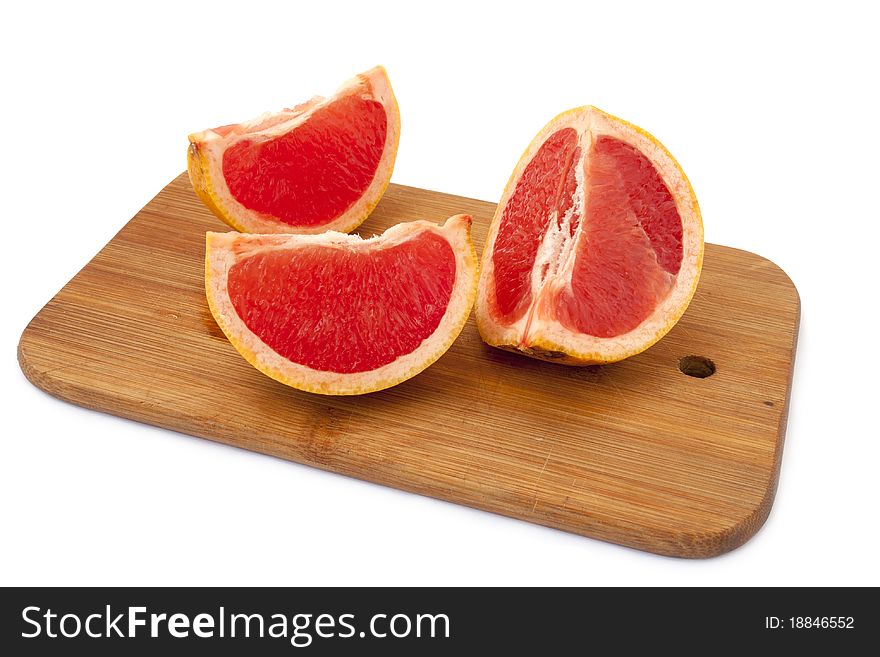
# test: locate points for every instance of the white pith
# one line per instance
(559, 250)
(224, 250)
(372, 84)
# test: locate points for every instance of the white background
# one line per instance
(771, 109)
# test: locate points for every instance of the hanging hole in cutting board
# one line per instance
(697, 366)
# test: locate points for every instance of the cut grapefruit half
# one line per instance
(595, 249)
(339, 315)
(322, 165)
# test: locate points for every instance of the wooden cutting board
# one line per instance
(636, 453)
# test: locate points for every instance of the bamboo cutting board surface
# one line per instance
(636, 453)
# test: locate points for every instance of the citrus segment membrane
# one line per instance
(623, 182)
(314, 171)
(345, 309)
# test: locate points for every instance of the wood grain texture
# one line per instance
(635, 453)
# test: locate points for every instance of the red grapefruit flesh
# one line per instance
(596, 247)
(322, 165)
(336, 314)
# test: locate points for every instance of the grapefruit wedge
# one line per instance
(595, 249)
(322, 165)
(339, 315)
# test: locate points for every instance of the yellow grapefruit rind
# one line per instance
(223, 250)
(553, 342)
(205, 156)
